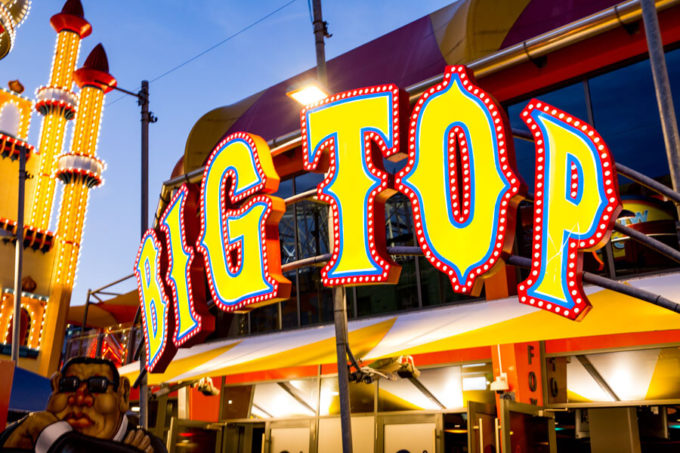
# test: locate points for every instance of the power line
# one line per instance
(214, 46)
(247, 27)
(309, 9)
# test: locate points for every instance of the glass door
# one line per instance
(527, 428)
(482, 428)
(244, 437)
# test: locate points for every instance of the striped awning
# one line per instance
(440, 329)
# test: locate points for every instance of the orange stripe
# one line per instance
(620, 340)
(273, 375)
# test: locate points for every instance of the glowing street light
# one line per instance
(308, 94)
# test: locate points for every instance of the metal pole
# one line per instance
(143, 100)
(296, 238)
(664, 99)
(132, 338)
(87, 307)
(341, 342)
(320, 33)
(339, 295)
(144, 103)
(19, 257)
(82, 327)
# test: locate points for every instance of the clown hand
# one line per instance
(139, 439)
(27, 432)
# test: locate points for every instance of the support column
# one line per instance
(522, 365)
(341, 342)
(664, 97)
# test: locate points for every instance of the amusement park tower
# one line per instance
(79, 169)
(57, 103)
(50, 258)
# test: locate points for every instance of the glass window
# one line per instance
(450, 386)
(399, 221)
(285, 399)
(264, 319)
(316, 301)
(285, 189)
(312, 221)
(228, 324)
(673, 66)
(626, 115)
(361, 396)
(570, 99)
(287, 235)
(289, 307)
(648, 374)
(436, 286)
(236, 401)
(390, 298)
(307, 181)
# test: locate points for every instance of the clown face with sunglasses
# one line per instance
(85, 412)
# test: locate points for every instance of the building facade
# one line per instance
(438, 370)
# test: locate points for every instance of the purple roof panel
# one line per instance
(404, 57)
(541, 16)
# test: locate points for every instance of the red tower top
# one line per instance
(72, 18)
(95, 71)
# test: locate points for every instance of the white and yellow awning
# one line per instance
(441, 329)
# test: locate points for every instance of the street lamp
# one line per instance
(307, 93)
(147, 117)
(310, 94)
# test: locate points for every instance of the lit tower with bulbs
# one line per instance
(57, 103)
(49, 259)
(79, 170)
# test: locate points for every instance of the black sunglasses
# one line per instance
(95, 384)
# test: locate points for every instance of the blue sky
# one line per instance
(144, 39)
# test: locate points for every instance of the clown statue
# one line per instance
(85, 413)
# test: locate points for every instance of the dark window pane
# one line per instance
(308, 181)
(399, 221)
(571, 99)
(289, 308)
(312, 219)
(287, 235)
(316, 301)
(390, 298)
(264, 319)
(626, 115)
(673, 65)
(436, 287)
(285, 189)
(228, 325)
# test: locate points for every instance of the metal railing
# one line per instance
(111, 343)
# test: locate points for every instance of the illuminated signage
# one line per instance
(355, 129)
(575, 207)
(461, 180)
(459, 175)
